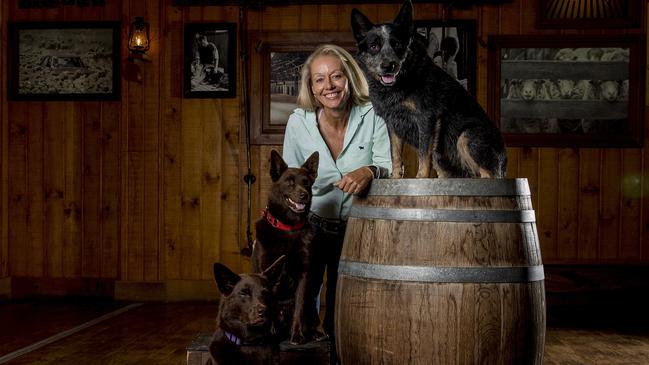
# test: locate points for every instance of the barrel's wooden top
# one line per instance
(456, 187)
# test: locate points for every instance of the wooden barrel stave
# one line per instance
(472, 334)
(463, 244)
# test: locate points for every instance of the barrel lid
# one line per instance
(456, 187)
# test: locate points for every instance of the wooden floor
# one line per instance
(157, 333)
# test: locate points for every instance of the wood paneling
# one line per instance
(149, 188)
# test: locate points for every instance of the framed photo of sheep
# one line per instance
(568, 90)
(452, 46)
(209, 60)
(64, 61)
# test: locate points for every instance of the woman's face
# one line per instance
(328, 82)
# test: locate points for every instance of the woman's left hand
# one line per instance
(356, 181)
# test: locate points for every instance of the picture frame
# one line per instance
(209, 60)
(276, 59)
(567, 90)
(598, 14)
(457, 37)
(64, 60)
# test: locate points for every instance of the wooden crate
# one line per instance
(197, 353)
(312, 353)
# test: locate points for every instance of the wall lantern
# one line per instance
(138, 36)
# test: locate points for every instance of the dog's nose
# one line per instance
(389, 67)
(261, 311)
(304, 195)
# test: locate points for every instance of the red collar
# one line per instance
(279, 225)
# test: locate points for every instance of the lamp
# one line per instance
(138, 36)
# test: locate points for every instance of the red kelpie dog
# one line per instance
(285, 230)
(244, 333)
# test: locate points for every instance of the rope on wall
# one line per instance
(249, 178)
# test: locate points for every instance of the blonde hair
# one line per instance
(355, 79)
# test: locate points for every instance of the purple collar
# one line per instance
(233, 338)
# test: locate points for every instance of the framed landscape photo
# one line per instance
(452, 46)
(576, 14)
(568, 90)
(64, 61)
(209, 60)
(275, 65)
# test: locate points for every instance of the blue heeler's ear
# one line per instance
(360, 25)
(277, 165)
(404, 18)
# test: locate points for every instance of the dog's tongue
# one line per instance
(295, 206)
(388, 79)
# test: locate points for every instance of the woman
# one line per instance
(336, 119)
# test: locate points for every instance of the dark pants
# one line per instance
(328, 243)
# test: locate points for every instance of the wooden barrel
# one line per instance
(441, 271)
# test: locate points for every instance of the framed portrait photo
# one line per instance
(568, 90)
(452, 46)
(64, 61)
(209, 60)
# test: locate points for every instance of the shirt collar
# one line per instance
(356, 118)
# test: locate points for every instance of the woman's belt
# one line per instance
(329, 225)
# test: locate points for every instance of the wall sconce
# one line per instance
(138, 36)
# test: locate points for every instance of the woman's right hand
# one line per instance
(356, 182)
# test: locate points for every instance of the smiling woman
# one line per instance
(335, 119)
(276, 59)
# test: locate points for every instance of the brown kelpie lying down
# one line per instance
(244, 331)
(284, 229)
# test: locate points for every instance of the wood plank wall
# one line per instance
(149, 188)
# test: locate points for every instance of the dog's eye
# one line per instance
(375, 47)
(245, 292)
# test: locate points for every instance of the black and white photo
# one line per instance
(452, 46)
(285, 68)
(209, 60)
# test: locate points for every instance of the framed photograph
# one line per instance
(452, 45)
(568, 90)
(210, 60)
(64, 61)
(597, 14)
(276, 59)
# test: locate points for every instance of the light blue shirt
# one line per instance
(366, 143)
